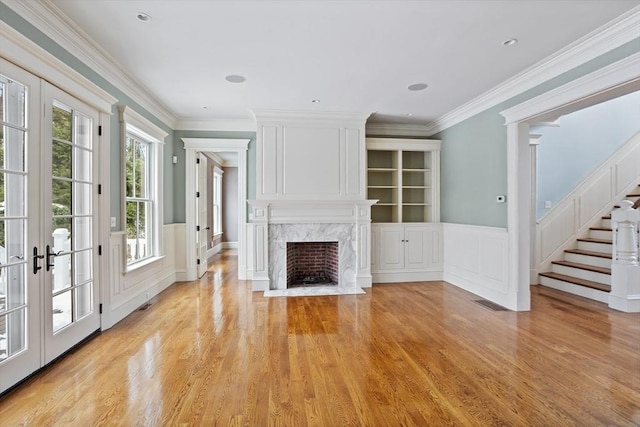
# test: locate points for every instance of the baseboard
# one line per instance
(214, 251)
(406, 276)
(229, 245)
(470, 285)
(181, 276)
(126, 308)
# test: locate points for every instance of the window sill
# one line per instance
(216, 235)
(142, 264)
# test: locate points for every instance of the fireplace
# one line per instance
(312, 264)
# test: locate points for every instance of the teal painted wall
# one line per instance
(474, 152)
(32, 33)
(180, 171)
(584, 140)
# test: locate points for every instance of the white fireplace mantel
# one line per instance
(342, 220)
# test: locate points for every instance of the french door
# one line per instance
(48, 289)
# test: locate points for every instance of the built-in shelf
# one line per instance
(403, 174)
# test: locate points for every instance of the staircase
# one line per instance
(586, 271)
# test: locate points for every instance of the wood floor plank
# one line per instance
(212, 352)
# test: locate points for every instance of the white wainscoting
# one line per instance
(476, 260)
(585, 205)
(128, 291)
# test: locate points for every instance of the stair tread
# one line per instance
(607, 216)
(600, 229)
(576, 281)
(589, 239)
(581, 266)
(589, 253)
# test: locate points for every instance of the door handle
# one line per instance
(49, 256)
(36, 257)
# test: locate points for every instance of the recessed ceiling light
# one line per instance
(510, 42)
(418, 86)
(204, 108)
(409, 114)
(234, 78)
(143, 17)
(315, 101)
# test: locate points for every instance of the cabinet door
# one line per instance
(391, 248)
(417, 248)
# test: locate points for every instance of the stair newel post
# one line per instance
(625, 270)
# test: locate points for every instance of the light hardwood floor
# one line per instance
(212, 352)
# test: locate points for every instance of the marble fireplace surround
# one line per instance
(276, 222)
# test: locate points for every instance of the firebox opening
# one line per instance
(312, 264)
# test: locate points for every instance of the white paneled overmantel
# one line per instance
(278, 222)
(310, 155)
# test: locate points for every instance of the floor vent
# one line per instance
(144, 306)
(491, 305)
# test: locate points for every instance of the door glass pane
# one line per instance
(61, 272)
(12, 241)
(61, 123)
(13, 97)
(82, 164)
(13, 335)
(12, 193)
(62, 311)
(61, 197)
(83, 266)
(12, 288)
(82, 198)
(84, 297)
(12, 146)
(82, 229)
(61, 159)
(84, 131)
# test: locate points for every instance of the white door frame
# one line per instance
(215, 145)
(614, 80)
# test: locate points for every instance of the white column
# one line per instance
(625, 270)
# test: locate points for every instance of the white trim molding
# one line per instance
(228, 125)
(53, 23)
(192, 146)
(622, 77)
(21, 51)
(614, 34)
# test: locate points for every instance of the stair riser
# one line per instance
(582, 274)
(582, 291)
(600, 234)
(605, 223)
(595, 247)
(589, 260)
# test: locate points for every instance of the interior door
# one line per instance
(201, 212)
(70, 204)
(20, 281)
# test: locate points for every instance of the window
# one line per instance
(142, 174)
(217, 201)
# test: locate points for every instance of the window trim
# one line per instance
(217, 197)
(136, 125)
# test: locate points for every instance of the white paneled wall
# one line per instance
(126, 292)
(476, 259)
(586, 204)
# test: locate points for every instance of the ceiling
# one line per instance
(358, 56)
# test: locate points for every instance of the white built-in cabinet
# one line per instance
(404, 176)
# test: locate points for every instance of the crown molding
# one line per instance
(45, 16)
(26, 54)
(236, 125)
(315, 116)
(397, 129)
(620, 77)
(611, 35)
